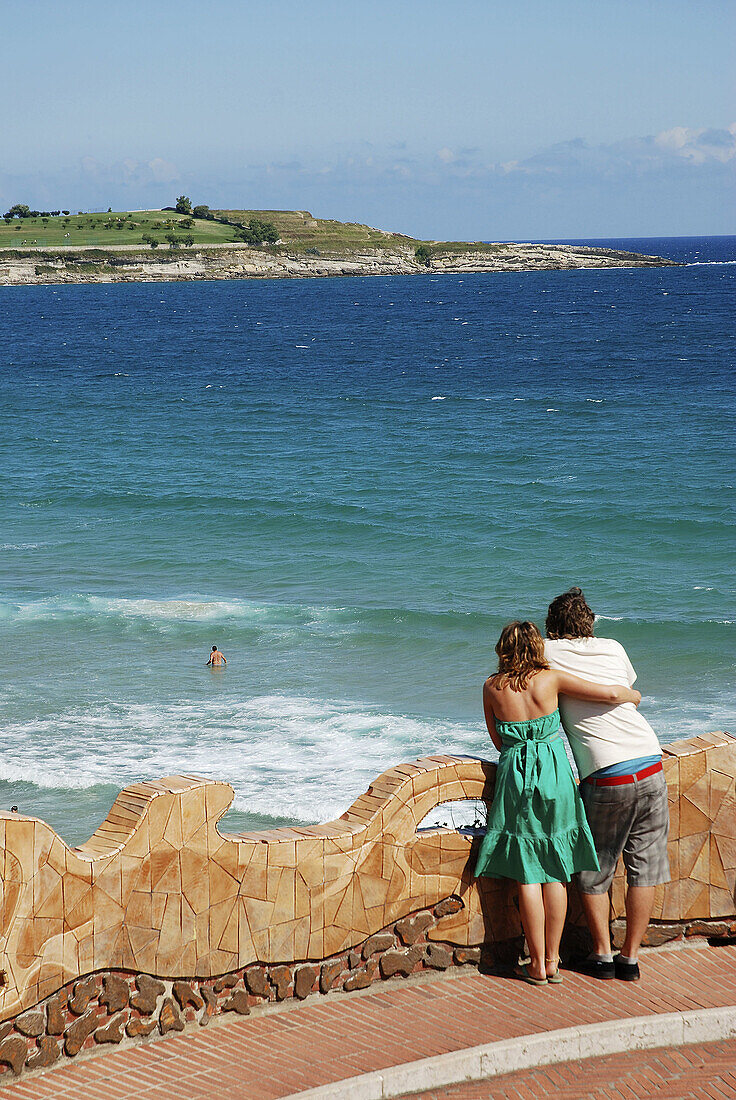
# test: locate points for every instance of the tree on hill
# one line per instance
(423, 254)
(8, 217)
(173, 240)
(188, 240)
(183, 205)
(20, 210)
(257, 232)
(202, 212)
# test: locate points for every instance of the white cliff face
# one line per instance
(81, 266)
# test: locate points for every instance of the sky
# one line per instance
(460, 119)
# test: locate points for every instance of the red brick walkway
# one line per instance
(273, 1054)
(703, 1072)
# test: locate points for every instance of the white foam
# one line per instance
(285, 756)
(188, 609)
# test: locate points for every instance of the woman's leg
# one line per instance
(554, 899)
(531, 911)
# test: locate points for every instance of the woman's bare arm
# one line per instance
(489, 716)
(612, 694)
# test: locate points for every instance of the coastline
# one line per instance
(57, 265)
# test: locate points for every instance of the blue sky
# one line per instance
(462, 119)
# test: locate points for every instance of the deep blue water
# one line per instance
(349, 485)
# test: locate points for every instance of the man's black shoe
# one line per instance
(626, 972)
(594, 968)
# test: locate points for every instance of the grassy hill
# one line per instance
(298, 232)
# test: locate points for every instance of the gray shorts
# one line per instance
(629, 819)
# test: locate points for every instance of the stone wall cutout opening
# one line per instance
(468, 816)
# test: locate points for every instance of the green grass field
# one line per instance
(103, 230)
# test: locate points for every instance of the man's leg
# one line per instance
(597, 909)
(639, 905)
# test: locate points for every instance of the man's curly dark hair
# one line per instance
(570, 616)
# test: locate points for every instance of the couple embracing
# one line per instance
(543, 831)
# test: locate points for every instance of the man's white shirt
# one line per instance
(599, 735)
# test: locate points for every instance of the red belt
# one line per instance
(617, 780)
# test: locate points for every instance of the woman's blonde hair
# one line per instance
(520, 652)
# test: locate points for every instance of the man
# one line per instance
(623, 788)
(217, 659)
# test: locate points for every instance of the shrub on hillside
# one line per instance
(257, 232)
(183, 205)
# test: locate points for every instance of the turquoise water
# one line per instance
(349, 485)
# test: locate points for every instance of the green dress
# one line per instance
(537, 829)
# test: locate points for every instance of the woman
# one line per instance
(537, 830)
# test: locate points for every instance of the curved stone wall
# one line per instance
(157, 892)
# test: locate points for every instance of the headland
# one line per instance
(166, 245)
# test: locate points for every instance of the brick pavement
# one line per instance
(698, 1072)
(272, 1054)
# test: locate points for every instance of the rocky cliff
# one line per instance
(234, 262)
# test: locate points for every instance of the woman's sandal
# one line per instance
(522, 971)
(556, 978)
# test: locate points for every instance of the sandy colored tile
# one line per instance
(223, 887)
(721, 902)
(158, 814)
(47, 892)
(302, 897)
(674, 819)
(169, 944)
(255, 881)
(672, 903)
(724, 822)
(281, 942)
(692, 819)
(158, 906)
(193, 805)
(20, 834)
(316, 944)
(230, 938)
(139, 910)
(173, 829)
(726, 850)
(690, 848)
(720, 786)
(425, 781)
(282, 854)
(717, 874)
(692, 768)
(195, 880)
(694, 900)
(259, 913)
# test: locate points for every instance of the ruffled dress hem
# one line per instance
(530, 859)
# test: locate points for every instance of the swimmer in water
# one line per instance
(217, 659)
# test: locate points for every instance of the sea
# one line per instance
(349, 485)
